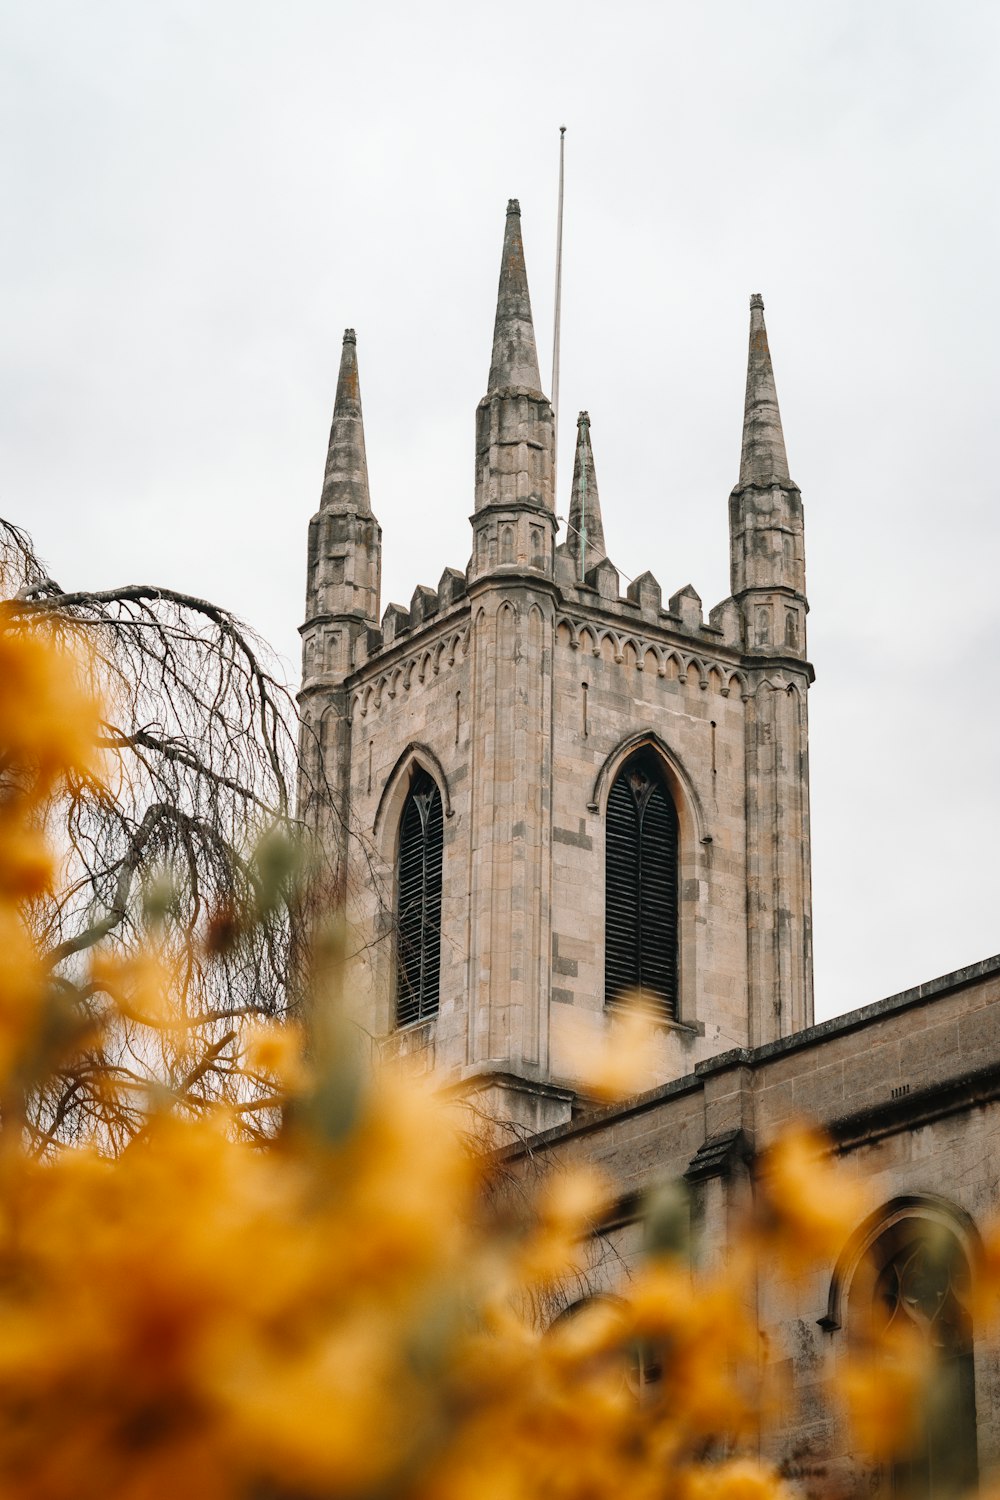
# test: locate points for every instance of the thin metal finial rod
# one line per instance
(558, 319)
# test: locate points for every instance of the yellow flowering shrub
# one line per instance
(349, 1309)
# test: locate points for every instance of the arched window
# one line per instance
(922, 1285)
(909, 1268)
(638, 1361)
(418, 902)
(640, 939)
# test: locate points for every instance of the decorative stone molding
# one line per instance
(931, 1209)
(428, 662)
(415, 754)
(708, 671)
(687, 802)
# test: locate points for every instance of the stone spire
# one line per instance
(515, 360)
(762, 462)
(345, 484)
(514, 522)
(586, 534)
(766, 530)
(344, 559)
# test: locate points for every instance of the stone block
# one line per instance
(646, 592)
(395, 622)
(451, 587)
(686, 605)
(423, 605)
(726, 618)
(603, 577)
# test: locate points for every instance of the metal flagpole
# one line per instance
(558, 319)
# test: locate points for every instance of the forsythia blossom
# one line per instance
(360, 1306)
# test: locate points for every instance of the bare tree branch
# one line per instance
(198, 772)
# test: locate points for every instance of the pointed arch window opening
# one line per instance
(641, 891)
(923, 1289)
(418, 902)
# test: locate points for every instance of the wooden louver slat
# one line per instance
(418, 902)
(641, 886)
(621, 941)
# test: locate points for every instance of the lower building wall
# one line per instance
(909, 1092)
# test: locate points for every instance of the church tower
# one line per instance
(549, 794)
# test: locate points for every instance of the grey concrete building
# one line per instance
(549, 793)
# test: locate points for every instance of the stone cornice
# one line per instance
(506, 507)
(785, 485)
(332, 618)
(963, 1090)
(785, 591)
(513, 575)
(664, 645)
(764, 665)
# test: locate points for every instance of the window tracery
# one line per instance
(923, 1289)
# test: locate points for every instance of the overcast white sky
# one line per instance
(198, 197)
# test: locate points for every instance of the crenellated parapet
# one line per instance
(387, 675)
(643, 601)
(409, 646)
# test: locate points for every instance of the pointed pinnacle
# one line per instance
(345, 483)
(515, 360)
(586, 533)
(762, 461)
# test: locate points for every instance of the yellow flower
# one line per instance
(274, 1049)
(22, 992)
(806, 1206)
(986, 1284)
(26, 864)
(48, 722)
(610, 1065)
(739, 1479)
(141, 985)
(353, 1308)
(567, 1208)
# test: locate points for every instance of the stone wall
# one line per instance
(523, 698)
(909, 1090)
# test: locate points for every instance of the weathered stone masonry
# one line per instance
(520, 684)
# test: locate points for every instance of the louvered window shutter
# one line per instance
(641, 887)
(418, 902)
